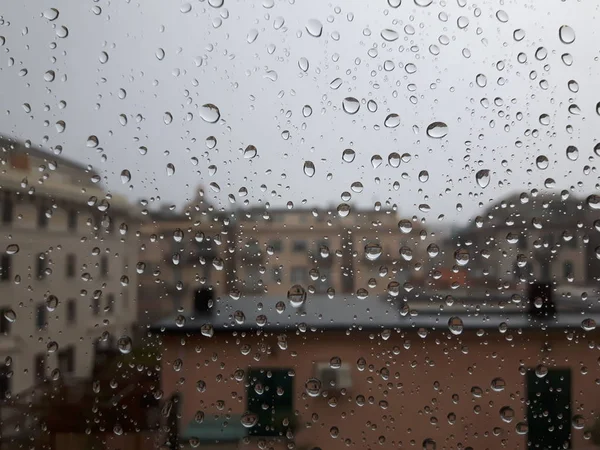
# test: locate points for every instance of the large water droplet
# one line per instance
(348, 155)
(394, 160)
(572, 153)
(296, 295)
(252, 35)
(376, 160)
(51, 14)
(566, 34)
(350, 105)
(423, 3)
(392, 120)
(249, 419)
(125, 345)
(373, 251)
(389, 35)
(314, 27)
(12, 249)
(593, 201)
(250, 152)
(309, 169)
(455, 325)
(483, 178)
(125, 176)
(313, 387)
(210, 113)
(437, 130)
(170, 170)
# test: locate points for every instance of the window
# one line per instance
(270, 397)
(71, 265)
(277, 245)
(40, 316)
(299, 246)
(40, 266)
(522, 242)
(5, 381)
(567, 269)
(71, 311)
(96, 305)
(7, 209)
(5, 323)
(66, 360)
(104, 266)
(549, 409)
(42, 218)
(72, 218)
(299, 275)
(5, 267)
(110, 303)
(39, 367)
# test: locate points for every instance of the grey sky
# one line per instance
(203, 64)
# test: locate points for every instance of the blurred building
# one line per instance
(67, 268)
(340, 372)
(322, 251)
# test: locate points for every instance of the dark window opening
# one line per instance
(549, 409)
(39, 367)
(104, 266)
(299, 246)
(72, 216)
(5, 267)
(71, 265)
(71, 311)
(110, 303)
(40, 316)
(5, 324)
(40, 266)
(42, 218)
(8, 207)
(203, 301)
(275, 404)
(66, 360)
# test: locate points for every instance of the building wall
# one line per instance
(429, 378)
(89, 242)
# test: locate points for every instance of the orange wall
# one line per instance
(419, 391)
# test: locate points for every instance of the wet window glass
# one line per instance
(302, 225)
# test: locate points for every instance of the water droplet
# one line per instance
(371, 106)
(394, 3)
(124, 344)
(481, 80)
(377, 160)
(296, 296)
(103, 58)
(423, 3)
(542, 162)
(507, 414)
(51, 303)
(185, 8)
(348, 155)
(389, 35)
(429, 444)
(437, 130)
(588, 324)
(502, 16)
(335, 83)
(572, 153)
(249, 419)
(306, 111)
(313, 387)
(423, 176)
(350, 105)
(566, 34)
(51, 14)
(373, 251)
(593, 201)
(160, 54)
(309, 169)
(405, 226)
(12, 249)
(392, 120)
(125, 176)
(10, 315)
(498, 384)
(207, 330)
(216, 3)
(303, 64)
(519, 34)
(455, 325)
(343, 210)
(60, 126)
(49, 76)
(335, 362)
(541, 371)
(483, 178)
(394, 160)
(250, 152)
(314, 28)
(170, 169)
(210, 113)
(167, 118)
(462, 257)
(251, 36)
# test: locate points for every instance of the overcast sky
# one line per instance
(246, 57)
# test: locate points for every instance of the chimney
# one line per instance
(541, 302)
(203, 302)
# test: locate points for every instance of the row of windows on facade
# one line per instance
(8, 213)
(298, 246)
(298, 274)
(41, 312)
(41, 266)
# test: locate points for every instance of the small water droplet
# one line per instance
(392, 120)
(125, 176)
(309, 169)
(49, 76)
(389, 35)
(170, 169)
(125, 344)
